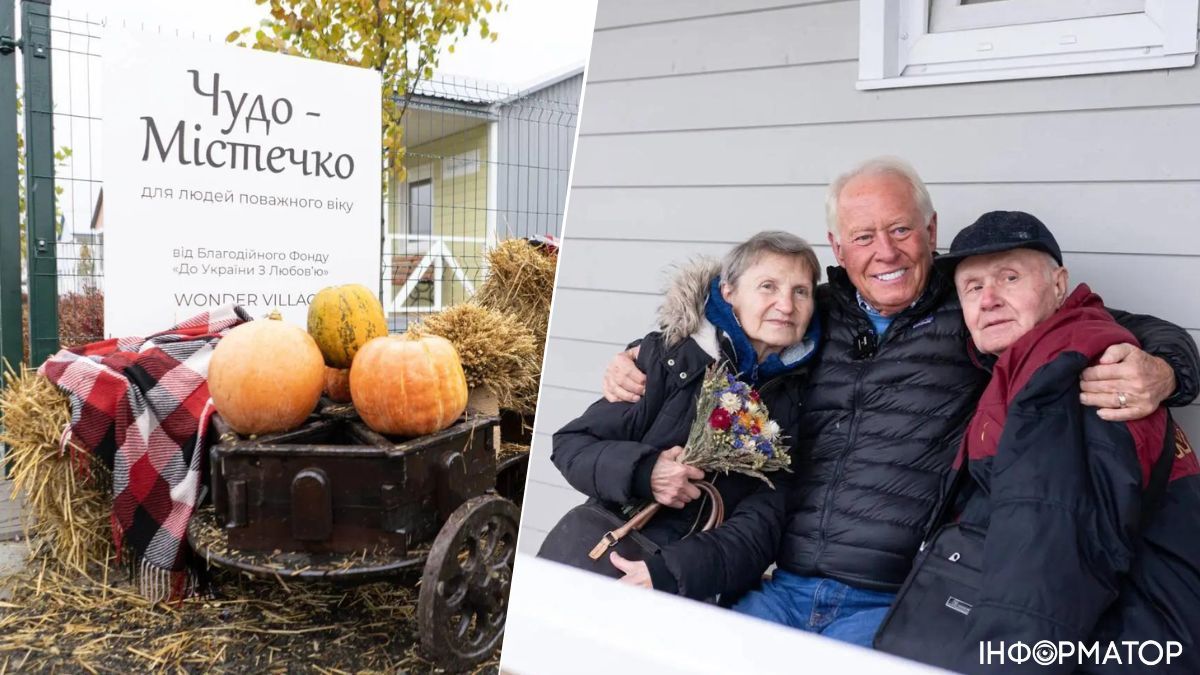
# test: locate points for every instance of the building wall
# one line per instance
(459, 200)
(706, 121)
(535, 137)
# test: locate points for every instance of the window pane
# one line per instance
(420, 208)
(952, 15)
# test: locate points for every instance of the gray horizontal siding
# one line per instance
(706, 121)
(1083, 146)
(578, 401)
(578, 365)
(781, 37)
(824, 93)
(624, 13)
(577, 315)
(1189, 419)
(547, 497)
(536, 134)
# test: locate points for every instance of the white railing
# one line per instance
(436, 258)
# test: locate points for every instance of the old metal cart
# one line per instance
(336, 501)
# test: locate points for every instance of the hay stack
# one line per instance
(520, 282)
(496, 350)
(66, 505)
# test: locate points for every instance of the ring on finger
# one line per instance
(1122, 400)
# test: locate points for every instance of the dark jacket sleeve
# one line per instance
(1171, 344)
(600, 453)
(1065, 503)
(732, 557)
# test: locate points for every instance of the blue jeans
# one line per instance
(819, 605)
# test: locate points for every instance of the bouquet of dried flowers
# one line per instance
(733, 430)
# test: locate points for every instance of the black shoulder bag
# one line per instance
(933, 604)
(586, 533)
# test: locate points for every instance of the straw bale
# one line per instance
(520, 281)
(67, 503)
(497, 351)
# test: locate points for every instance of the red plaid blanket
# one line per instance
(142, 406)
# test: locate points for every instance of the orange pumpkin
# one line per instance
(408, 385)
(337, 384)
(266, 376)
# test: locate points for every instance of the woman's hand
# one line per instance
(671, 482)
(636, 571)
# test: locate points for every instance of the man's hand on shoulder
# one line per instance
(1126, 383)
(623, 382)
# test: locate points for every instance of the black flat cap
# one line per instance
(997, 231)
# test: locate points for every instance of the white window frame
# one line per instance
(952, 15)
(896, 48)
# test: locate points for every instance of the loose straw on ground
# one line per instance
(59, 621)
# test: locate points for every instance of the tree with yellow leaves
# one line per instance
(399, 38)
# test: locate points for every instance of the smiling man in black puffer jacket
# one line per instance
(887, 401)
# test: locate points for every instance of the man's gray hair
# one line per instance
(1050, 264)
(873, 167)
(744, 255)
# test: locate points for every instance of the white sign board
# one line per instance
(233, 176)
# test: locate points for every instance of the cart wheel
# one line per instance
(464, 588)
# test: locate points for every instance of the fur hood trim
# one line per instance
(682, 312)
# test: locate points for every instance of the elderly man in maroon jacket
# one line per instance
(1083, 544)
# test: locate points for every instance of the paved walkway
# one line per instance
(13, 552)
(10, 512)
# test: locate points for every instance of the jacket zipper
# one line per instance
(851, 435)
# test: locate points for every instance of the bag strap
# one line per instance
(639, 519)
(611, 537)
(716, 515)
(1160, 474)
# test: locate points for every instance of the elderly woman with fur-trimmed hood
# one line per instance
(754, 310)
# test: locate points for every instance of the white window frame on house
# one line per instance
(952, 15)
(897, 48)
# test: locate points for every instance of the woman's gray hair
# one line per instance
(744, 255)
(879, 165)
